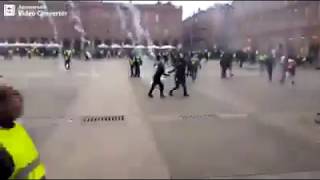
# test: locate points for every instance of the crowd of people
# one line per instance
(266, 60)
(184, 65)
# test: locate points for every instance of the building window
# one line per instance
(166, 32)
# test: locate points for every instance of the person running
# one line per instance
(157, 79)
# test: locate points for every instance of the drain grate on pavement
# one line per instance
(93, 119)
(197, 116)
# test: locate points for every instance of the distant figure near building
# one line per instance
(291, 69)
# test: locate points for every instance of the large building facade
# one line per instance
(159, 24)
(257, 25)
(208, 28)
(293, 25)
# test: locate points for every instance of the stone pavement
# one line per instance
(234, 128)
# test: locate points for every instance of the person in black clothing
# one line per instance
(137, 63)
(189, 65)
(131, 63)
(6, 163)
(158, 57)
(180, 76)
(269, 64)
(157, 79)
(29, 53)
(225, 63)
(166, 58)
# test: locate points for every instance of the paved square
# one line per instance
(239, 127)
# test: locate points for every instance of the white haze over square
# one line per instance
(188, 7)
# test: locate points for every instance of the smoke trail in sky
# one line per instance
(51, 20)
(75, 16)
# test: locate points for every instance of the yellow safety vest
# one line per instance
(24, 153)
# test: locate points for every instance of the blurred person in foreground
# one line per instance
(19, 157)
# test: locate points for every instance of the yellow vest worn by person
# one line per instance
(26, 159)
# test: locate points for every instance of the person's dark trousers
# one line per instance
(132, 71)
(67, 64)
(154, 84)
(194, 74)
(178, 83)
(137, 69)
(241, 63)
(269, 69)
(223, 71)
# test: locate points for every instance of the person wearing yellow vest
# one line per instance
(67, 58)
(19, 158)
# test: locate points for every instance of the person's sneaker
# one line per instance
(186, 95)
(150, 95)
(162, 96)
(292, 82)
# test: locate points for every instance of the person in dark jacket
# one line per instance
(157, 79)
(180, 76)
(131, 63)
(269, 65)
(137, 63)
(225, 63)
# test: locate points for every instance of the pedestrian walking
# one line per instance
(131, 64)
(137, 63)
(283, 68)
(291, 70)
(269, 62)
(195, 65)
(225, 64)
(67, 58)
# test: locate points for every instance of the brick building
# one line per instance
(295, 25)
(162, 23)
(208, 28)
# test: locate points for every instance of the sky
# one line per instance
(188, 7)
